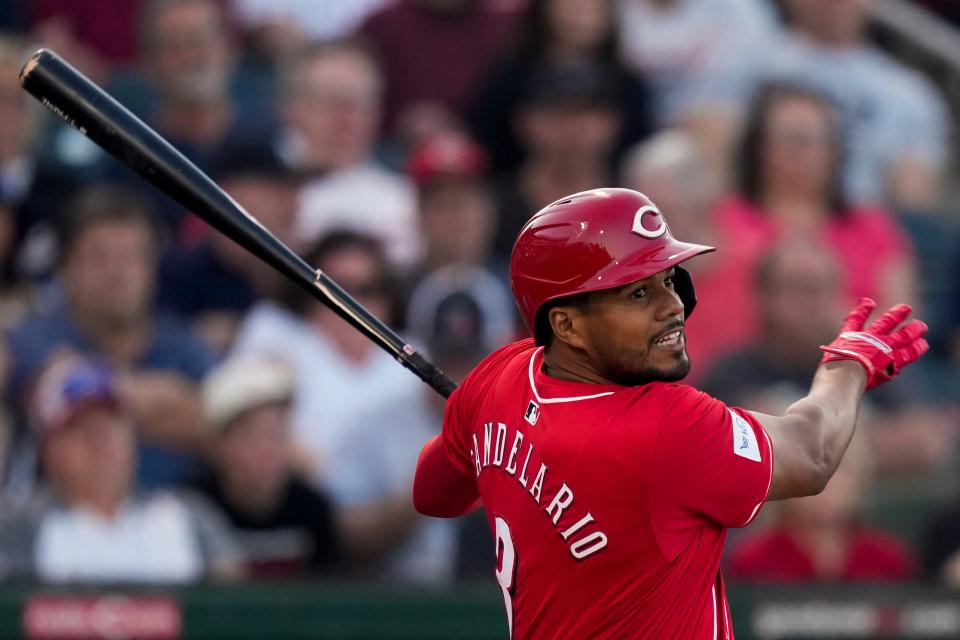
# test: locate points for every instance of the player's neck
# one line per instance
(563, 363)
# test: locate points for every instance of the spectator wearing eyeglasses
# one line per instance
(330, 105)
(338, 370)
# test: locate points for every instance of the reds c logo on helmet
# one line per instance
(595, 240)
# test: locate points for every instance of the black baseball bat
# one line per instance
(88, 108)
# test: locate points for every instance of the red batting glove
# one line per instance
(879, 349)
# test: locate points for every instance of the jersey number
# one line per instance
(506, 566)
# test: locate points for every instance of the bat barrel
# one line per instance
(85, 106)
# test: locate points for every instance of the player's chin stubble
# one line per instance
(630, 368)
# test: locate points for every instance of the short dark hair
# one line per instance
(753, 139)
(298, 301)
(291, 73)
(151, 11)
(96, 205)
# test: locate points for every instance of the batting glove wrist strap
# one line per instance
(882, 349)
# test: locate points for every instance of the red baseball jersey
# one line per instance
(609, 504)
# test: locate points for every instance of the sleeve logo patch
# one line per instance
(744, 439)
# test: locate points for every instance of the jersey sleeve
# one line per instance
(712, 464)
(453, 434)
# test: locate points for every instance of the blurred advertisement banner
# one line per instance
(108, 617)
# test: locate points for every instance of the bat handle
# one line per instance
(430, 373)
(406, 354)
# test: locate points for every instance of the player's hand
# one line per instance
(882, 349)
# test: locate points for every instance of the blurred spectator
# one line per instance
(36, 174)
(456, 208)
(431, 76)
(277, 28)
(460, 313)
(186, 86)
(215, 282)
(798, 300)
(940, 545)
(106, 278)
(338, 370)
(14, 16)
(679, 45)
(947, 9)
(88, 524)
(332, 97)
(558, 33)
(897, 121)
(285, 527)
(188, 59)
(18, 123)
(894, 122)
(671, 169)
(790, 187)
(7, 426)
(13, 298)
(822, 539)
(954, 312)
(568, 123)
(96, 36)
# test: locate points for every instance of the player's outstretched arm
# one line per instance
(810, 439)
(439, 488)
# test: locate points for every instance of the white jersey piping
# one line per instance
(558, 400)
(713, 592)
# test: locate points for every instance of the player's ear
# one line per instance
(566, 322)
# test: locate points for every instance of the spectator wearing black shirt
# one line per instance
(284, 527)
(941, 546)
(551, 33)
(568, 120)
(213, 282)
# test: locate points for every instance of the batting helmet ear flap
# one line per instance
(683, 285)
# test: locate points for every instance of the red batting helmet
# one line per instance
(591, 241)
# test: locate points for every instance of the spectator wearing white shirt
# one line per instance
(678, 45)
(89, 526)
(459, 313)
(279, 26)
(338, 370)
(331, 108)
(895, 122)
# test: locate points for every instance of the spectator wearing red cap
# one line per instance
(454, 201)
(87, 524)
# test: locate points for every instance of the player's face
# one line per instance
(634, 333)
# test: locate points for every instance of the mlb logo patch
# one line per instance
(532, 414)
(745, 442)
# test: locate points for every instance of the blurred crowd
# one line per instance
(175, 411)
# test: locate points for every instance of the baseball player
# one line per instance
(608, 485)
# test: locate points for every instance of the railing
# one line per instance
(923, 29)
(328, 611)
